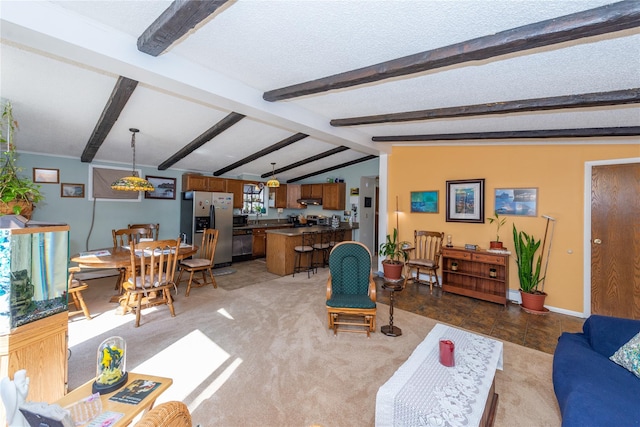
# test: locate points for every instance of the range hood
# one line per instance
(310, 201)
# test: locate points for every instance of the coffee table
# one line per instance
(424, 392)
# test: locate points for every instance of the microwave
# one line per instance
(240, 220)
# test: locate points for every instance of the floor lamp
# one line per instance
(397, 210)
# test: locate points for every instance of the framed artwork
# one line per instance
(465, 200)
(424, 201)
(165, 188)
(354, 191)
(46, 176)
(71, 190)
(516, 201)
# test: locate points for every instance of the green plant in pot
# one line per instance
(395, 255)
(17, 194)
(499, 222)
(526, 247)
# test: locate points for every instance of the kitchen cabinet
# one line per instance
(333, 196)
(236, 186)
(478, 274)
(294, 192)
(311, 191)
(259, 248)
(192, 182)
(218, 185)
(281, 196)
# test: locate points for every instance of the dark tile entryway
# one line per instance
(511, 324)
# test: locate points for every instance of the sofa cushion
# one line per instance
(607, 334)
(628, 356)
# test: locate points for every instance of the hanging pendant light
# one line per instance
(133, 182)
(273, 182)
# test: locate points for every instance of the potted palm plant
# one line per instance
(526, 247)
(499, 222)
(17, 194)
(393, 251)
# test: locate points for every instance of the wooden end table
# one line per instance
(129, 411)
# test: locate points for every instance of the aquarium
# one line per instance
(33, 273)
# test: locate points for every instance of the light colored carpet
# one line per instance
(262, 356)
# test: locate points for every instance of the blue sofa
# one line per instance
(591, 389)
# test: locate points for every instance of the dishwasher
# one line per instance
(242, 244)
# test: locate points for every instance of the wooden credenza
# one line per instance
(473, 275)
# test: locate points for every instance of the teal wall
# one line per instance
(112, 214)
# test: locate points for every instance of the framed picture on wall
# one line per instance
(46, 176)
(516, 201)
(71, 190)
(424, 201)
(465, 200)
(165, 188)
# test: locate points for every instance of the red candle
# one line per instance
(446, 353)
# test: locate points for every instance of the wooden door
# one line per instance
(615, 240)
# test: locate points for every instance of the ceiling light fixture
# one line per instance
(133, 182)
(273, 182)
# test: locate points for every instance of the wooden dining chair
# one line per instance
(122, 238)
(427, 248)
(153, 230)
(151, 277)
(202, 262)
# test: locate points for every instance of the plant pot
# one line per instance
(392, 271)
(495, 245)
(533, 302)
(26, 208)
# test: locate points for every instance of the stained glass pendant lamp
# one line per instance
(273, 182)
(133, 182)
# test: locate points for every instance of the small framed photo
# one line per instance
(71, 190)
(516, 201)
(46, 176)
(465, 201)
(165, 188)
(354, 191)
(424, 201)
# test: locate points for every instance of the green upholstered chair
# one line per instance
(351, 291)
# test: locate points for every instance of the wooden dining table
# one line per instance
(120, 258)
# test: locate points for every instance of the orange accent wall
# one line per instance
(557, 171)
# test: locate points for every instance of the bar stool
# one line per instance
(308, 240)
(322, 247)
(75, 288)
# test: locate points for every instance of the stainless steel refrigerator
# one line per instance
(202, 209)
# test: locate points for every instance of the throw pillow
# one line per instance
(628, 356)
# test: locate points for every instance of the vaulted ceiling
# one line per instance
(228, 87)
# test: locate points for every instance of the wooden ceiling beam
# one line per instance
(596, 99)
(332, 168)
(119, 97)
(176, 21)
(224, 124)
(601, 20)
(307, 160)
(275, 147)
(520, 134)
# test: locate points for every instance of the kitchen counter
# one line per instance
(268, 225)
(280, 243)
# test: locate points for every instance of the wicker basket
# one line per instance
(26, 208)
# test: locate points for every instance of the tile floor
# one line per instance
(508, 324)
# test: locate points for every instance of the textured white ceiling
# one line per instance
(60, 61)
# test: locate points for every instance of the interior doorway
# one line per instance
(613, 241)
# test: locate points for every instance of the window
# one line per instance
(253, 199)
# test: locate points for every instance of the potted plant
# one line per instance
(17, 194)
(393, 251)
(499, 222)
(529, 276)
